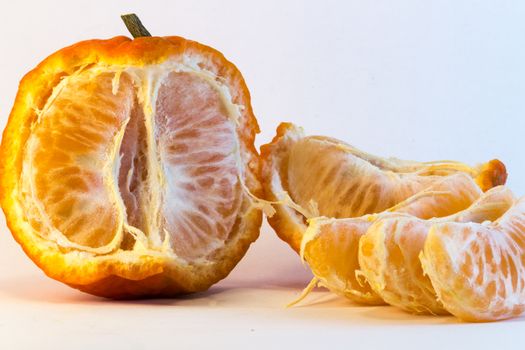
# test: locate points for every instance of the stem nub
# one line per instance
(134, 25)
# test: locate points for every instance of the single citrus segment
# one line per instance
(389, 252)
(478, 269)
(128, 166)
(327, 177)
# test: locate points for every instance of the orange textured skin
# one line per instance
(142, 274)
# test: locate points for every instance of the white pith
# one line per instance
(147, 81)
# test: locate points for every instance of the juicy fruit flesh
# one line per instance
(313, 176)
(75, 150)
(342, 184)
(202, 195)
(330, 246)
(119, 158)
(392, 268)
(478, 271)
(322, 187)
(332, 257)
(345, 182)
(389, 252)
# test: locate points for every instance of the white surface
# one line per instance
(417, 80)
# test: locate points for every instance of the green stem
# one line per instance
(134, 25)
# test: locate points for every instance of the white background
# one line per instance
(421, 80)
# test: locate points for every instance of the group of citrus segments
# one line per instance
(128, 169)
(429, 238)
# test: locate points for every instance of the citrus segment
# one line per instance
(288, 223)
(330, 246)
(342, 181)
(389, 252)
(197, 148)
(478, 270)
(330, 249)
(70, 158)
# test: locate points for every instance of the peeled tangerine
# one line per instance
(128, 166)
(325, 189)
